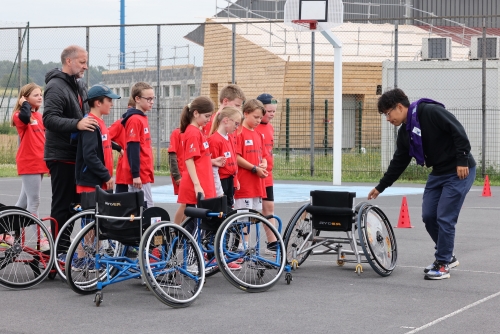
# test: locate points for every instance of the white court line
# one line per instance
(453, 313)
(455, 269)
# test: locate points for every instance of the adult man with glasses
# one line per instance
(432, 135)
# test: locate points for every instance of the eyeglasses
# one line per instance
(236, 124)
(387, 113)
(149, 99)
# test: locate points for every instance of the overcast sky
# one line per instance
(97, 12)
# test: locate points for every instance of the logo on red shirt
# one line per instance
(146, 130)
(131, 133)
(248, 142)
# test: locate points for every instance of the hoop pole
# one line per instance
(337, 105)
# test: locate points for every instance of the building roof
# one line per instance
(362, 42)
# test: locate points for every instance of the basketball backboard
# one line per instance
(327, 13)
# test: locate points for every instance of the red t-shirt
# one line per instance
(137, 130)
(176, 147)
(267, 131)
(220, 146)
(108, 154)
(250, 146)
(117, 134)
(196, 147)
(29, 157)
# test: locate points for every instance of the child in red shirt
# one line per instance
(197, 177)
(229, 96)
(139, 162)
(117, 134)
(223, 144)
(252, 163)
(94, 156)
(29, 157)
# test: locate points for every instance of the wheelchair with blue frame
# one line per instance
(24, 260)
(168, 259)
(238, 236)
(369, 234)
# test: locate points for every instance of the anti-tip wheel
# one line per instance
(340, 263)
(288, 278)
(359, 269)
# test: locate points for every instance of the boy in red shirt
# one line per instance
(138, 139)
(229, 96)
(94, 157)
(267, 131)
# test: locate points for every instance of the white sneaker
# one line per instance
(240, 246)
(44, 244)
(193, 269)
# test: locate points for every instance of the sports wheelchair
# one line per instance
(238, 236)
(168, 259)
(366, 226)
(24, 260)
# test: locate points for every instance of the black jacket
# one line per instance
(61, 114)
(444, 140)
(90, 169)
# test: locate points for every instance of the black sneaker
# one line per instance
(438, 271)
(271, 248)
(453, 263)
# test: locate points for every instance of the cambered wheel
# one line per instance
(260, 269)
(296, 236)
(377, 239)
(172, 264)
(205, 240)
(25, 260)
(81, 275)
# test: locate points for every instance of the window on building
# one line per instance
(191, 90)
(166, 91)
(126, 91)
(177, 90)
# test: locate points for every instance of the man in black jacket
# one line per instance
(432, 135)
(62, 118)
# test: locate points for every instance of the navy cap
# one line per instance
(101, 90)
(266, 98)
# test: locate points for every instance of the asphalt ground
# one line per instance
(321, 298)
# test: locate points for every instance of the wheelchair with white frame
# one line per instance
(368, 233)
(167, 259)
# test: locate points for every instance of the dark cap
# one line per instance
(266, 98)
(101, 90)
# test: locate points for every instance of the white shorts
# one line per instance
(146, 188)
(254, 203)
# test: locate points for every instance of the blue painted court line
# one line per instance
(290, 193)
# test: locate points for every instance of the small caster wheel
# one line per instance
(340, 263)
(98, 299)
(52, 275)
(359, 269)
(294, 264)
(288, 278)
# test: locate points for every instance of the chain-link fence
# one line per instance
(435, 57)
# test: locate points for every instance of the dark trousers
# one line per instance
(443, 198)
(62, 180)
(121, 188)
(228, 189)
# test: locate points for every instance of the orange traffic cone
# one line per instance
(486, 188)
(404, 215)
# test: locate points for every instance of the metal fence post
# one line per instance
(287, 130)
(325, 138)
(233, 55)
(87, 47)
(483, 101)
(20, 58)
(28, 53)
(312, 102)
(158, 65)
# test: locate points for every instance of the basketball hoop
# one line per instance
(311, 24)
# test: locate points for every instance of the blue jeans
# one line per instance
(442, 202)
